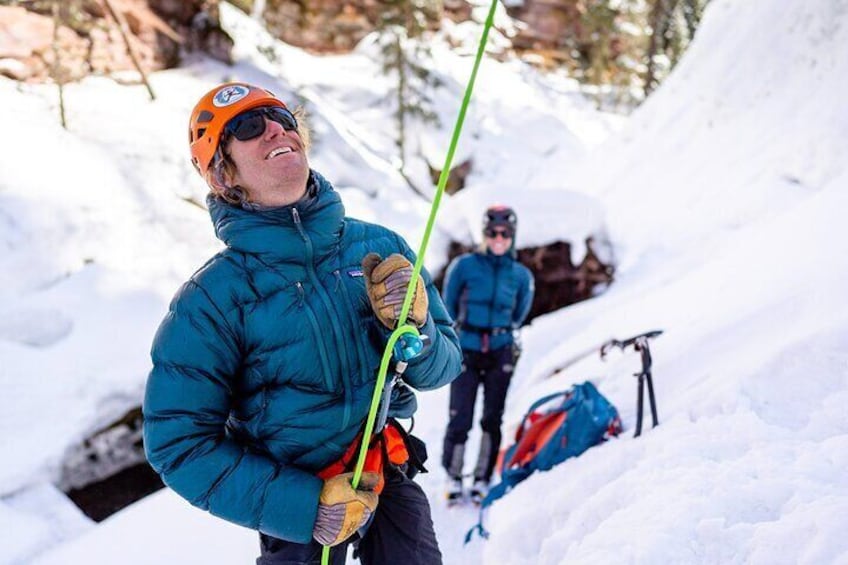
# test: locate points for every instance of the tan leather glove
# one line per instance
(386, 281)
(342, 509)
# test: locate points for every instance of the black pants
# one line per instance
(493, 370)
(401, 532)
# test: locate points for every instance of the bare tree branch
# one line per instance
(122, 27)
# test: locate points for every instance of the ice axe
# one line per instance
(640, 344)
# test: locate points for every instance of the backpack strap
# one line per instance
(538, 435)
(532, 409)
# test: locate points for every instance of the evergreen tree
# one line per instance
(627, 46)
(401, 26)
(608, 49)
(673, 24)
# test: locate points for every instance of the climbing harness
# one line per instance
(405, 340)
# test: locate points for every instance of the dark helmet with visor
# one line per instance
(499, 216)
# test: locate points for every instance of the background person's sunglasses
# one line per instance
(506, 234)
(251, 124)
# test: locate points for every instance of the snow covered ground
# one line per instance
(723, 196)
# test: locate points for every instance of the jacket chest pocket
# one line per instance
(353, 298)
(350, 286)
(293, 342)
(506, 287)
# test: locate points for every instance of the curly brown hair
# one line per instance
(223, 169)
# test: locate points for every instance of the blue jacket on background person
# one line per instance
(484, 291)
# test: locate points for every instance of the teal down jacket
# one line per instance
(488, 291)
(264, 366)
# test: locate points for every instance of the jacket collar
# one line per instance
(273, 232)
(507, 257)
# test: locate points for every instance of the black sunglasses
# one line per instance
(493, 233)
(251, 124)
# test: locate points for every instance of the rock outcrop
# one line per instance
(559, 282)
(88, 39)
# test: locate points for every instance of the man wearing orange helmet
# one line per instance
(264, 367)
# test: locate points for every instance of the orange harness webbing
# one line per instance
(388, 445)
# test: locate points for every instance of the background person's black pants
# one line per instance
(401, 532)
(493, 370)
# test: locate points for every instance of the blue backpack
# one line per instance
(556, 427)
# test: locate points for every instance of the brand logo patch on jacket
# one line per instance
(353, 273)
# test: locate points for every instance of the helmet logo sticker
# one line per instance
(230, 95)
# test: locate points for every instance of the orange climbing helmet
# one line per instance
(214, 110)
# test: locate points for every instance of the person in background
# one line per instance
(489, 294)
(265, 364)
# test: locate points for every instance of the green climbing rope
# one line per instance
(403, 327)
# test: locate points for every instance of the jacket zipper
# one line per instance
(494, 293)
(325, 299)
(313, 321)
(360, 349)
